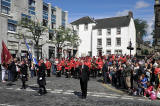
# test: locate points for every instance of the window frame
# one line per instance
(86, 27)
(12, 27)
(108, 31)
(99, 44)
(118, 30)
(107, 42)
(107, 52)
(99, 32)
(117, 41)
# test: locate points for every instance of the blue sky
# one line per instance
(143, 9)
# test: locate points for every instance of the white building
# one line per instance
(12, 11)
(106, 36)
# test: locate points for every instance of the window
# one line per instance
(118, 31)
(5, 9)
(53, 25)
(50, 36)
(108, 31)
(12, 27)
(86, 27)
(99, 42)
(77, 26)
(31, 2)
(45, 22)
(118, 41)
(118, 51)
(108, 51)
(5, 6)
(53, 12)
(108, 41)
(99, 32)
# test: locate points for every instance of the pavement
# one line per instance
(66, 92)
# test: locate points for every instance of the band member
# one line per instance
(48, 66)
(41, 80)
(84, 79)
(23, 71)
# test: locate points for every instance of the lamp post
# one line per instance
(130, 47)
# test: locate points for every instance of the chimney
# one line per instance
(156, 2)
(130, 14)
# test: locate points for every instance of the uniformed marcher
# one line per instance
(23, 71)
(41, 80)
(84, 79)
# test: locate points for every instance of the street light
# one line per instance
(130, 47)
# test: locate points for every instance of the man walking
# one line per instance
(41, 80)
(23, 71)
(84, 79)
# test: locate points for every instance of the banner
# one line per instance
(30, 54)
(6, 57)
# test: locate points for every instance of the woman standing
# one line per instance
(3, 67)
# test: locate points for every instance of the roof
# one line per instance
(83, 20)
(112, 22)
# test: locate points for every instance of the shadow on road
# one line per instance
(79, 94)
(33, 87)
(10, 84)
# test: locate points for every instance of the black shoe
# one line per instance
(45, 92)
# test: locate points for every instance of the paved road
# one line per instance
(66, 92)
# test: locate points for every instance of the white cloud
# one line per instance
(149, 30)
(141, 4)
(122, 13)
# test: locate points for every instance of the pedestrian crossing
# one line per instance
(72, 92)
(6, 105)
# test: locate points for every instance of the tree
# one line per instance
(141, 26)
(154, 40)
(34, 27)
(64, 36)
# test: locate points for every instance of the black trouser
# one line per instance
(42, 89)
(83, 88)
(24, 78)
(42, 83)
(104, 77)
(67, 73)
(95, 73)
(77, 72)
(72, 72)
(13, 76)
(48, 72)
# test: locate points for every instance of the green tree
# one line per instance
(64, 36)
(141, 26)
(36, 28)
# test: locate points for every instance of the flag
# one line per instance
(31, 57)
(6, 57)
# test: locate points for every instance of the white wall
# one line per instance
(127, 33)
(85, 36)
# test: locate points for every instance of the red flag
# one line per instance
(5, 55)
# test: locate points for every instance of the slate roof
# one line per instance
(83, 20)
(113, 22)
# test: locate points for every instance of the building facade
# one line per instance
(157, 26)
(106, 36)
(12, 11)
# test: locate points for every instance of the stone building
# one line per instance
(12, 11)
(157, 26)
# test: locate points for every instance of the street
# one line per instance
(66, 92)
